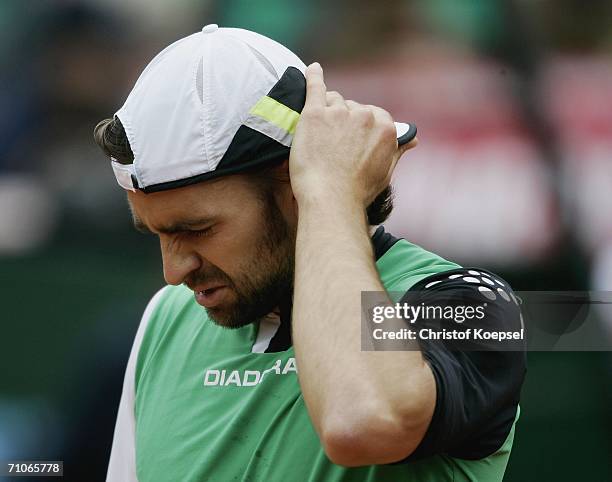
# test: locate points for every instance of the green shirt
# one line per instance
(206, 407)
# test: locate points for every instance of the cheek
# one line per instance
(234, 244)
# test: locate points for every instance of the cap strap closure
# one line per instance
(125, 174)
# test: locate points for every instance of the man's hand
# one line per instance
(341, 147)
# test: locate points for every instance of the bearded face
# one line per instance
(229, 241)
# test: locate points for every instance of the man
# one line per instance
(264, 190)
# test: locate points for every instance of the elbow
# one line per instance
(353, 441)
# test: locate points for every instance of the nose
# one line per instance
(178, 262)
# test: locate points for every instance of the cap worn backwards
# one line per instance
(216, 102)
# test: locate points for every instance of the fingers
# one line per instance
(352, 105)
(334, 98)
(315, 86)
(381, 115)
(384, 120)
(318, 96)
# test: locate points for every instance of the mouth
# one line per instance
(210, 297)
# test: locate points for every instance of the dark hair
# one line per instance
(110, 136)
(380, 209)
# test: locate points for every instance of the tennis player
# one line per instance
(267, 193)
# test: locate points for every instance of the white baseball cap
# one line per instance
(216, 102)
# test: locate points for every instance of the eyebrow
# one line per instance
(178, 227)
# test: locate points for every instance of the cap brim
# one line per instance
(405, 132)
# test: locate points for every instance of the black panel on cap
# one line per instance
(290, 90)
(248, 144)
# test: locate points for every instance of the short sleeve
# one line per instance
(478, 390)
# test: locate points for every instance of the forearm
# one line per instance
(347, 390)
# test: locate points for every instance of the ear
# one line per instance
(281, 172)
(285, 194)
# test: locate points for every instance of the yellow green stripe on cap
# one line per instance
(273, 119)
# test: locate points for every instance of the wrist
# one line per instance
(329, 204)
(321, 191)
(333, 219)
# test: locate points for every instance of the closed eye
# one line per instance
(200, 233)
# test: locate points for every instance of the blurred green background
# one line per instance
(513, 101)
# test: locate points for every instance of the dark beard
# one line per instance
(266, 280)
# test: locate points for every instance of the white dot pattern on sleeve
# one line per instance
(485, 284)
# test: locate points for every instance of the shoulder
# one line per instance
(163, 310)
(150, 309)
(168, 304)
(410, 272)
(154, 302)
(403, 264)
(170, 297)
(472, 287)
(165, 299)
